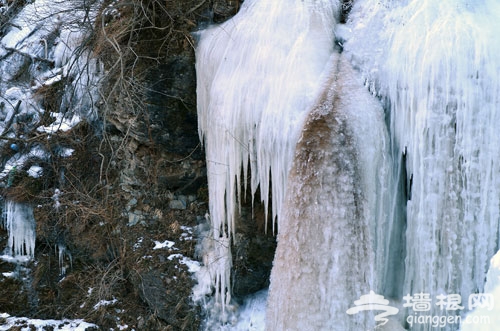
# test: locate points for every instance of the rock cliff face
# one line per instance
(116, 218)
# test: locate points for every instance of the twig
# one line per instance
(24, 140)
(196, 7)
(186, 157)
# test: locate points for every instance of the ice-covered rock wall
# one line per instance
(49, 81)
(41, 53)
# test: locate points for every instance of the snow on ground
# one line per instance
(193, 266)
(164, 244)
(105, 303)
(63, 123)
(35, 171)
(8, 322)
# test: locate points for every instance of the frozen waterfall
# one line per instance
(393, 184)
(258, 74)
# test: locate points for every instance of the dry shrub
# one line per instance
(24, 189)
(50, 98)
(132, 35)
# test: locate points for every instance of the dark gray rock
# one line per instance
(154, 293)
(224, 9)
(171, 107)
(253, 253)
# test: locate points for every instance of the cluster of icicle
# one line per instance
(258, 74)
(20, 225)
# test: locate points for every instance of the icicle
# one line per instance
(64, 255)
(20, 225)
(55, 197)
